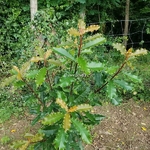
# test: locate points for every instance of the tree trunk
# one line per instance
(127, 12)
(33, 8)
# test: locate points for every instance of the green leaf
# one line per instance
(81, 1)
(60, 140)
(123, 84)
(120, 47)
(116, 101)
(32, 74)
(95, 66)
(111, 90)
(85, 134)
(93, 118)
(83, 64)
(52, 118)
(63, 52)
(84, 107)
(66, 81)
(41, 76)
(133, 78)
(94, 42)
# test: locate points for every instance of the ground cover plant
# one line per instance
(62, 84)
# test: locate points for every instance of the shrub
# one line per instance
(65, 83)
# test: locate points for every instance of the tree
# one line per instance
(33, 8)
(126, 21)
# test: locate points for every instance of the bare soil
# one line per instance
(126, 127)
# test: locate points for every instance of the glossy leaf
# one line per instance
(52, 118)
(93, 118)
(116, 101)
(63, 52)
(41, 76)
(120, 48)
(85, 134)
(66, 81)
(123, 84)
(83, 64)
(55, 62)
(60, 140)
(32, 74)
(36, 59)
(139, 52)
(73, 32)
(67, 122)
(133, 78)
(84, 107)
(95, 66)
(111, 90)
(92, 28)
(94, 42)
(62, 104)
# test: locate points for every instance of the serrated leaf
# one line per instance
(139, 52)
(83, 107)
(93, 118)
(67, 122)
(55, 62)
(73, 32)
(85, 134)
(25, 67)
(72, 109)
(133, 78)
(36, 138)
(95, 66)
(123, 84)
(94, 42)
(92, 28)
(47, 54)
(7, 81)
(66, 81)
(19, 75)
(62, 104)
(36, 59)
(83, 64)
(111, 90)
(60, 140)
(41, 76)
(63, 52)
(52, 118)
(25, 146)
(120, 48)
(116, 101)
(32, 74)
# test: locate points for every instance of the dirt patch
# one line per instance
(16, 128)
(126, 127)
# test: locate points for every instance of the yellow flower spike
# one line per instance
(72, 109)
(62, 104)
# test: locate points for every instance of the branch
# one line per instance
(118, 71)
